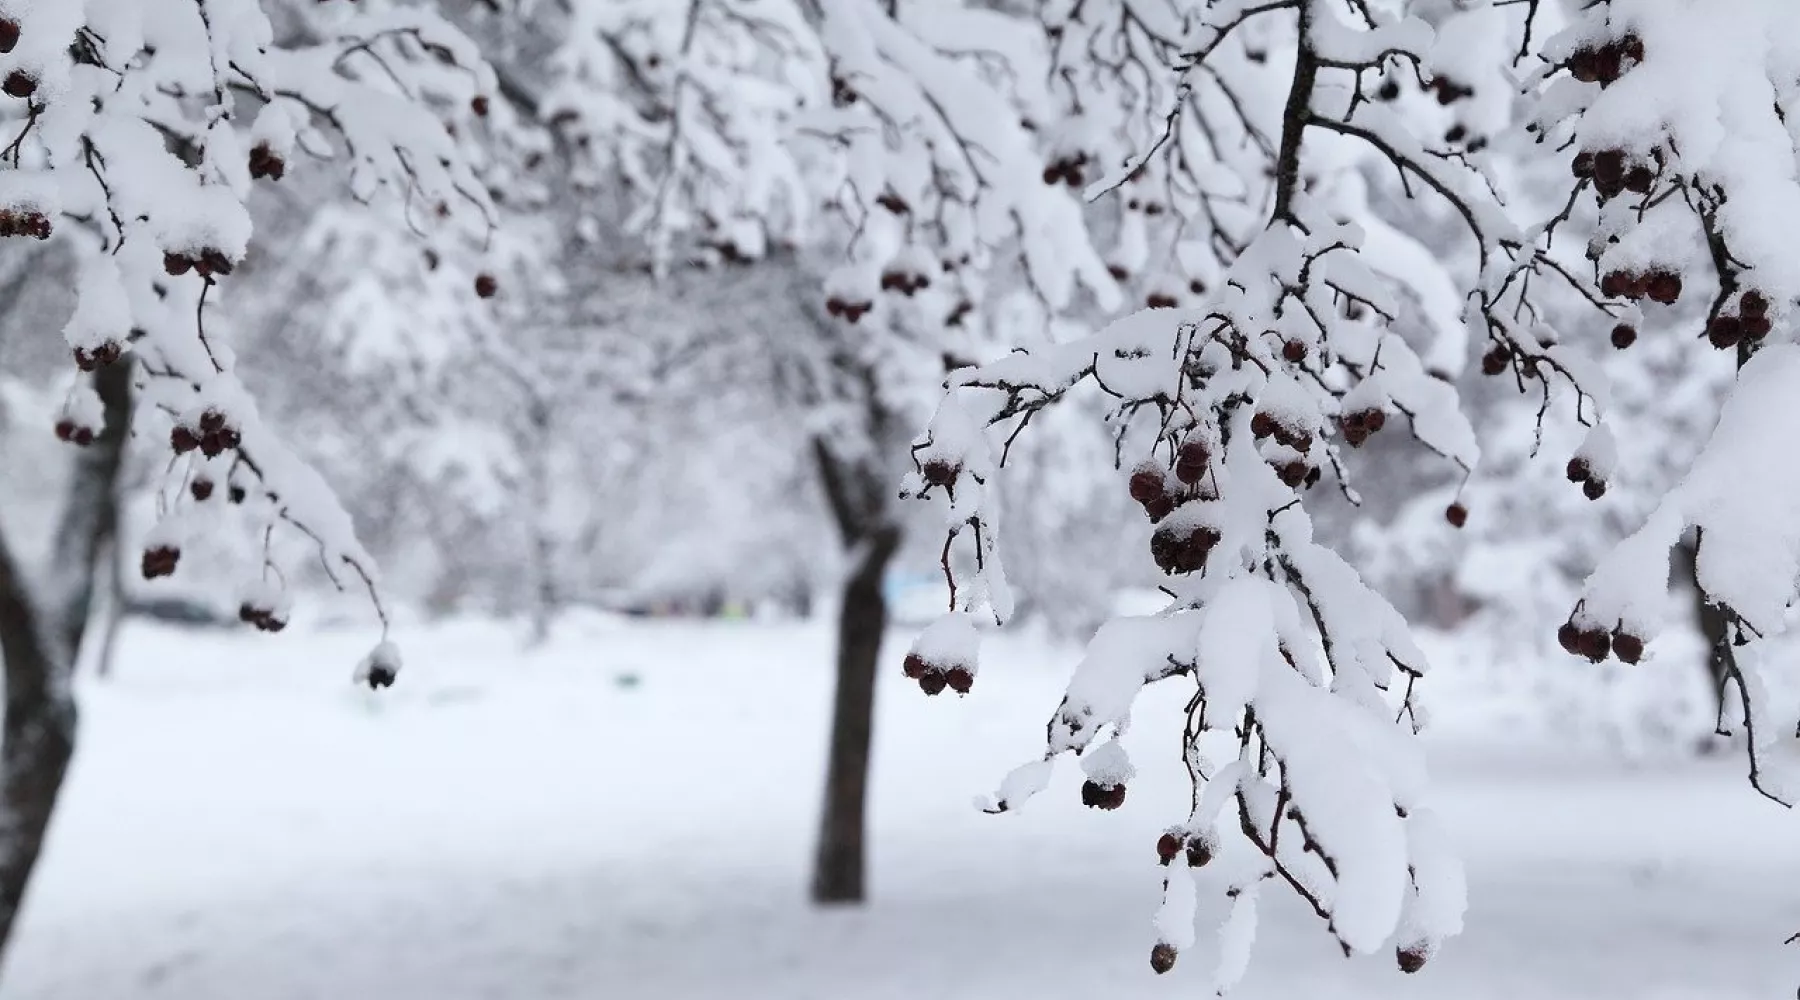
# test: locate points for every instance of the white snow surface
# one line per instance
(239, 823)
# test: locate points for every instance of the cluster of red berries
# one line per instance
(1294, 472)
(1657, 286)
(1174, 842)
(264, 163)
(213, 435)
(79, 435)
(160, 560)
(1604, 64)
(1145, 205)
(1448, 91)
(1613, 173)
(1095, 795)
(899, 279)
(33, 224)
(934, 677)
(92, 359)
(1357, 425)
(1182, 548)
(261, 615)
(1066, 170)
(1751, 322)
(850, 310)
(1150, 483)
(1596, 643)
(1592, 486)
(205, 263)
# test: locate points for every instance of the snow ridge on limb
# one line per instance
(1681, 127)
(140, 128)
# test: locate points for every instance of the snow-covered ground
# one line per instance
(627, 813)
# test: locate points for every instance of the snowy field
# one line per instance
(242, 825)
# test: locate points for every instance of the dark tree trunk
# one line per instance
(857, 494)
(38, 642)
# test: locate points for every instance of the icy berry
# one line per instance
(1294, 473)
(183, 439)
(932, 681)
(1411, 959)
(160, 561)
(1097, 796)
(1191, 461)
(1627, 647)
(1457, 515)
(1294, 351)
(1663, 287)
(1162, 957)
(914, 666)
(1495, 361)
(9, 34)
(1757, 327)
(1262, 425)
(1578, 471)
(19, 84)
(1167, 846)
(939, 472)
(1624, 335)
(1568, 636)
(959, 679)
(1594, 644)
(176, 264)
(1199, 855)
(1594, 489)
(1725, 331)
(1753, 304)
(486, 286)
(1146, 482)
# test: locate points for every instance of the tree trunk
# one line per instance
(862, 621)
(857, 493)
(38, 642)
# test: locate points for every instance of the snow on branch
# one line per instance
(141, 127)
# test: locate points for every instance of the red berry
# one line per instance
(1725, 332)
(1663, 287)
(914, 666)
(9, 34)
(939, 472)
(932, 681)
(1624, 335)
(479, 105)
(959, 679)
(1577, 470)
(1411, 959)
(1753, 304)
(19, 84)
(1167, 846)
(1457, 515)
(1495, 361)
(1568, 636)
(1191, 461)
(1162, 957)
(486, 286)
(201, 489)
(1629, 648)
(1147, 483)
(183, 439)
(1294, 351)
(1262, 425)
(1594, 644)
(1199, 855)
(1594, 489)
